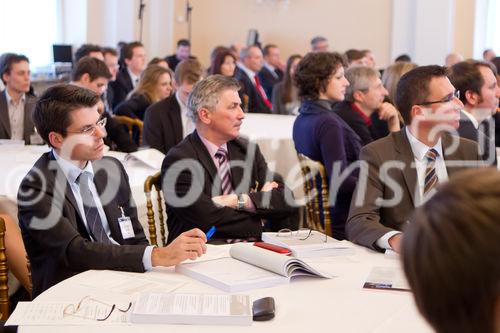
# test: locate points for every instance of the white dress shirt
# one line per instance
(135, 78)
(187, 123)
(419, 150)
(16, 117)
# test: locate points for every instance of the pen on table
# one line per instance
(210, 232)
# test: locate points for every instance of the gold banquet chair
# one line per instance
(130, 123)
(4, 288)
(316, 194)
(154, 181)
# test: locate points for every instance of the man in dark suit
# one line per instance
(271, 72)
(255, 99)
(183, 52)
(132, 63)
(93, 74)
(75, 207)
(477, 85)
(166, 122)
(16, 105)
(402, 169)
(364, 99)
(214, 178)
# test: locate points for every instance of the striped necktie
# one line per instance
(224, 173)
(431, 178)
(94, 222)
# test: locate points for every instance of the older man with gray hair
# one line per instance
(213, 178)
(364, 109)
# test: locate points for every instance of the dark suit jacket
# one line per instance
(320, 134)
(117, 136)
(368, 222)
(202, 212)
(29, 127)
(121, 86)
(268, 80)
(163, 125)
(134, 107)
(480, 135)
(255, 103)
(56, 240)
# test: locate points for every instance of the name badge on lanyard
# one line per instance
(126, 226)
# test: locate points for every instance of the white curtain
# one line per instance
(30, 27)
(493, 26)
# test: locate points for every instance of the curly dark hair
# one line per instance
(314, 71)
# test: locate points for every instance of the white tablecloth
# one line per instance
(305, 305)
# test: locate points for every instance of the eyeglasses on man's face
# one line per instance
(90, 130)
(446, 99)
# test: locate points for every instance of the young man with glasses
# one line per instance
(76, 210)
(401, 171)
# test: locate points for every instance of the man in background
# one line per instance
(271, 72)
(182, 52)
(319, 44)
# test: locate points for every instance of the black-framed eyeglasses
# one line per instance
(90, 130)
(449, 98)
(78, 310)
(301, 234)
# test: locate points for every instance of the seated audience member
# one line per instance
(401, 170)
(111, 60)
(183, 52)
(158, 61)
(16, 262)
(68, 222)
(166, 122)
(476, 82)
(215, 52)
(93, 74)
(391, 77)
(496, 61)
(320, 134)
(255, 97)
(319, 44)
(354, 57)
(271, 72)
(16, 105)
(403, 58)
(285, 93)
(450, 255)
(90, 50)
(369, 58)
(452, 59)
(488, 55)
(364, 99)
(235, 190)
(155, 84)
(132, 63)
(223, 63)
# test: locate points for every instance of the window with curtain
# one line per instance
(30, 28)
(493, 26)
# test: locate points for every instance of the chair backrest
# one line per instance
(316, 194)
(154, 181)
(131, 123)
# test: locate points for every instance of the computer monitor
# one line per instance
(62, 53)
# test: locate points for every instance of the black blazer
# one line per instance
(121, 86)
(467, 130)
(268, 80)
(163, 125)
(56, 240)
(134, 107)
(252, 100)
(117, 136)
(202, 213)
(29, 127)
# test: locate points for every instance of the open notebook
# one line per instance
(248, 267)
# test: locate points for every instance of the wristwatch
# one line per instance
(241, 202)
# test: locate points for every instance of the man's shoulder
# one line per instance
(386, 144)
(166, 105)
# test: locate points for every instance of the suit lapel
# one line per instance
(203, 156)
(28, 123)
(405, 154)
(175, 113)
(4, 114)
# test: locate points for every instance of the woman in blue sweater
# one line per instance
(322, 135)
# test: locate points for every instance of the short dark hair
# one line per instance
(451, 255)
(267, 49)
(219, 60)
(496, 62)
(183, 42)
(465, 76)
(314, 71)
(109, 50)
(127, 51)
(9, 59)
(52, 111)
(353, 55)
(85, 50)
(94, 67)
(403, 58)
(318, 39)
(413, 88)
(189, 70)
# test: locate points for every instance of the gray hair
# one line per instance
(359, 78)
(206, 93)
